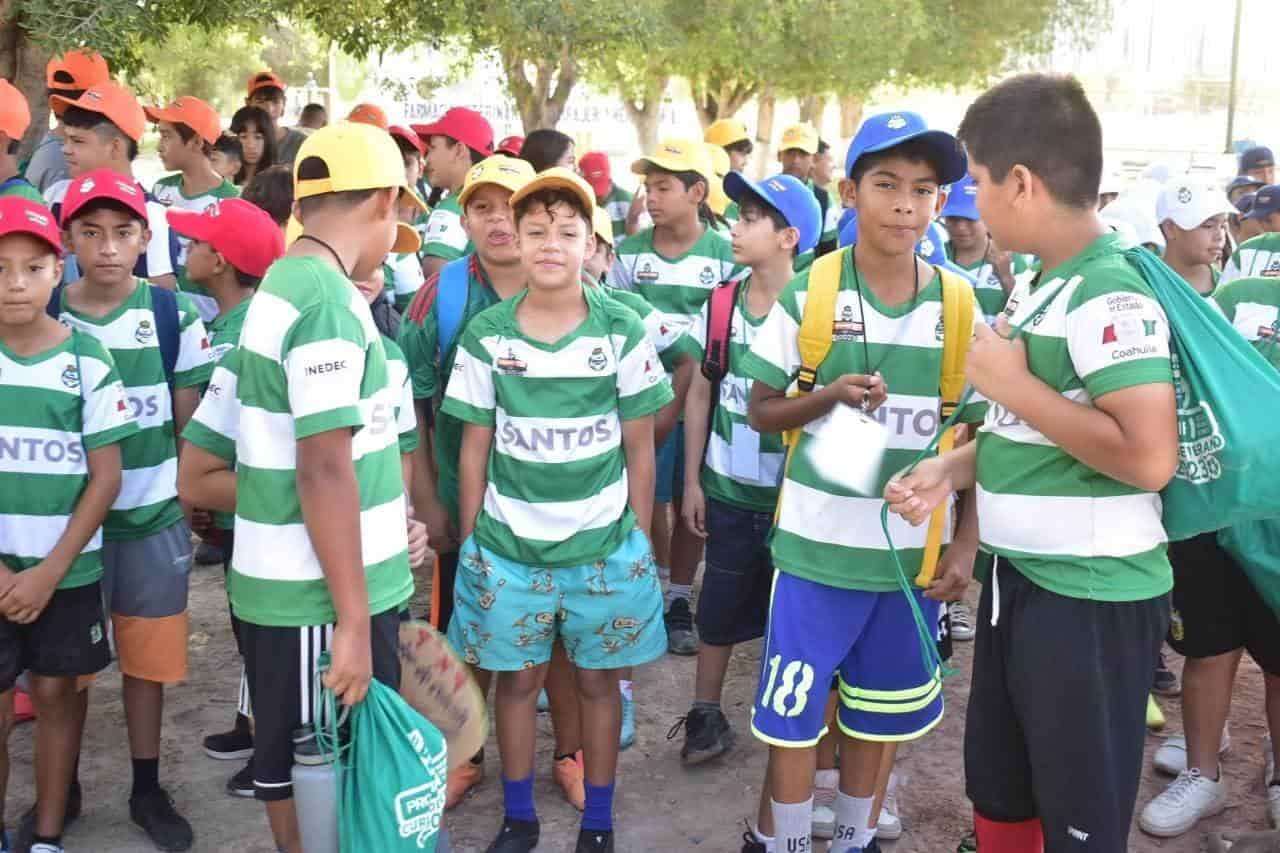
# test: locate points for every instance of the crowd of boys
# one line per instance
(576, 396)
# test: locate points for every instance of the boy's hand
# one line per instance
(29, 594)
(418, 541)
(694, 509)
(955, 570)
(857, 389)
(351, 664)
(440, 529)
(994, 363)
(7, 577)
(201, 522)
(914, 496)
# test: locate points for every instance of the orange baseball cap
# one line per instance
(192, 112)
(85, 68)
(264, 79)
(110, 99)
(15, 114)
(369, 114)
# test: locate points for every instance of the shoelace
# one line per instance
(675, 729)
(1180, 791)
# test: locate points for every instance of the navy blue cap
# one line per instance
(886, 130)
(1244, 203)
(1243, 181)
(1258, 157)
(785, 194)
(963, 200)
(1266, 201)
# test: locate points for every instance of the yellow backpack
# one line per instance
(957, 332)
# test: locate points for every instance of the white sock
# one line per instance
(793, 826)
(829, 779)
(766, 840)
(852, 816)
(677, 590)
(624, 687)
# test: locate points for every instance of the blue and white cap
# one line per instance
(788, 196)
(962, 202)
(886, 130)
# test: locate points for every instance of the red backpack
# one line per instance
(715, 356)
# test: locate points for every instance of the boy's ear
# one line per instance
(943, 194)
(848, 192)
(790, 238)
(386, 203)
(703, 192)
(591, 243)
(1022, 184)
(146, 237)
(296, 211)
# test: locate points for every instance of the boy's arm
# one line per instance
(31, 590)
(697, 422)
(206, 480)
(669, 416)
(914, 496)
(638, 447)
(477, 441)
(955, 567)
(771, 410)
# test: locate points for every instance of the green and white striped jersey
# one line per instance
(1255, 258)
(58, 405)
(402, 278)
(311, 361)
(168, 191)
(826, 533)
(991, 296)
(617, 204)
(557, 481)
(1067, 527)
(742, 467)
(677, 287)
(445, 237)
(1252, 305)
(672, 343)
(148, 500)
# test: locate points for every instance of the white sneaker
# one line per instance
(889, 826)
(961, 621)
(824, 812)
(1171, 757)
(1188, 798)
(46, 848)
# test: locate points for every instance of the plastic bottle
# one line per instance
(315, 796)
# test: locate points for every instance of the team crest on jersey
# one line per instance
(71, 376)
(939, 331)
(511, 365)
(846, 328)
(1273, 269)
(597, 361)
(646, 273)
(144, 332)
(707, 277)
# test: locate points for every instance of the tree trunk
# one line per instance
(812, 108)
(539, 105)
(717, 99)
(22, 62)
(645, 111)
(765, 104)
(850, 114)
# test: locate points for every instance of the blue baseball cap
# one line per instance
(932, 246)
(1244, 182)
(1266, 201)
(1257, 157)
(963, 200)
(785, 194)
(847, 228)
(886, 130)
(1244, 203)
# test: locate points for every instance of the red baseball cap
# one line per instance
(109, 99)
(510, 145)
(369, 114)
(192, 112)
(85, 68)
(241, 232)
(262, 80)
(594, 166)
(461, 125)
(408, 136)
(103, 184)
(20, 215)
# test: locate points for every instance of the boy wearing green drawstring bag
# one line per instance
(1080, 437)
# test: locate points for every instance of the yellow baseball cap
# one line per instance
(726, 131)
(559, 178)
(602, 225)
(677, 155)
(717, 200)
(507, 172)
(357, 157)
(803, 136)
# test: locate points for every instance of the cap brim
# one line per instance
(641, 166)
(59, 103)
(189, 223)
(470, 189)
(413, 198)
(407, 239)
(955, 165)
(961, 206)
(409, 136)
(553, 182)
(738, 186)
(805, 145)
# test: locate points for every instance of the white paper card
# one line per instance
(848, 450)
(744, 460)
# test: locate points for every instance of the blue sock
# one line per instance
(598, 815)
(517, 797)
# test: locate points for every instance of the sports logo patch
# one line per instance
(1184, 195)
(646, 273)
(71, 376)
(896, 122)
(597, 361)
(707, 277)
(511, 365)
(144, 332)
(846, 328)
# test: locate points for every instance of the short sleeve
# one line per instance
(418, 340)
(470, 396)
(1117, 336)
(195, 355)
(446, 237)
(619, 275)
(774, 357)
(323, 357)
(164, 249)
(107, 415)
(1231, 270)
(642, 382)
(215, 426)
(406, 274)
(975, 410)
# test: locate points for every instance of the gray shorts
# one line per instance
(144, 585)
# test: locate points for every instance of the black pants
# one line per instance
(1057, 711)
(448, 574)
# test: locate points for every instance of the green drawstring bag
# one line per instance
(1255, 545)
(391, 787)
(1228, 416)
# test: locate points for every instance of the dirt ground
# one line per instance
(660, 805)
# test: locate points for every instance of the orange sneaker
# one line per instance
(23, 710)
(569, 776)
(462, 778)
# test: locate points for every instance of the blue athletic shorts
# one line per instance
(506, 615)
(869, 639)
(669, 482)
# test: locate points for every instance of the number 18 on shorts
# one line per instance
(869, 640)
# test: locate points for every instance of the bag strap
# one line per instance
(715, 357)
(164, 305)
(54, 308)
(451, 303)
(814, 337)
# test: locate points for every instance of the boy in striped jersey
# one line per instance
(64, 417)
(1080, 436)
(837, 606)
(674, 265)
(163, 355)
(318, 473)
(558, 387)
(732, 472)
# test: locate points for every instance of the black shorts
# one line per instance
(448, 574)
(734, 604)
(1216, 609)
(280, 664)
(1057, 711)
(68, 638)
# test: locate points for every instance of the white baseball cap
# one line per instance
(1189, 203)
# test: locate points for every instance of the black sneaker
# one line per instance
(25, 835)
(516, 836)
(1165, 682)
(707, 735)
(209, 555)
(681, 640)
(594, 841)
(241, 784)
(167, 829)
(234, 745)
